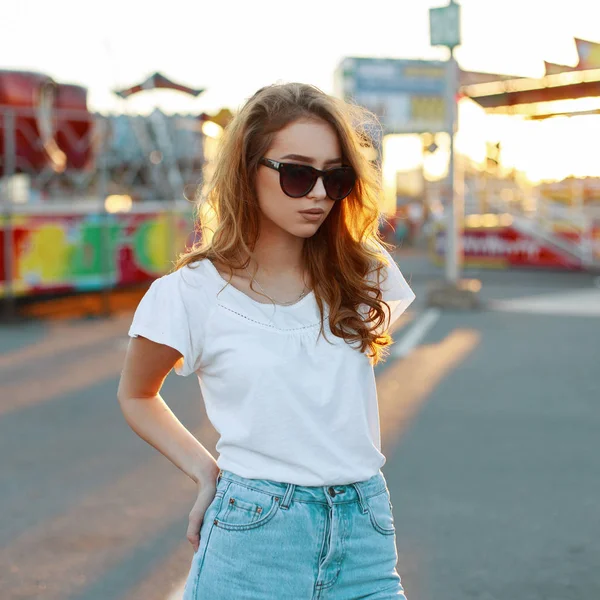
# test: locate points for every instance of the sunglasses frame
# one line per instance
(276, 166)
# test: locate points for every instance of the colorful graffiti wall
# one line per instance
(85, 252)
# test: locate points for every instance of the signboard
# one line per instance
(408, 96)
(444, 25)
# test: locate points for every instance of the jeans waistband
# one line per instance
(349, 492)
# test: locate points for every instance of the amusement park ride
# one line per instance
(95, 202)
(89, 201)
(36, 135)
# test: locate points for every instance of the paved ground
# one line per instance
(490, 426)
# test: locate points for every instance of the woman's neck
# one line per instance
(277, 254)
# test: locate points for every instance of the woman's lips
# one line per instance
(313, 214)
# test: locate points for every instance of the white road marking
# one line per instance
(578, 303)
(416, 333)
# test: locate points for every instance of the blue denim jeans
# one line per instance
(266, 540)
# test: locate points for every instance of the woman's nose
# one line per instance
(318, 190)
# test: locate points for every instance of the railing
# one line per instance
(573, 231)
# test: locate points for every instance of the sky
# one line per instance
(232, 48)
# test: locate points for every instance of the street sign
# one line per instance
(444, 25)
(408, 96)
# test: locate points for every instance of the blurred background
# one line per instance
(109, 119)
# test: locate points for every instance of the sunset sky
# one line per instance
(233, 48)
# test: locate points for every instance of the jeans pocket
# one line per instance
(211, 512)
(380, 512)
(206, 529)
(246, 508)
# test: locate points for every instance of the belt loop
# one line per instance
(285, 503)
(219, 476)
(361, 498)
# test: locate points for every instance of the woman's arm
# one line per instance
(146, 366)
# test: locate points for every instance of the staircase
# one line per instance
(580, 251)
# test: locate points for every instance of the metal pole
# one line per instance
(7, 203)
(455, 212)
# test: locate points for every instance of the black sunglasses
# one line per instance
(297, 180)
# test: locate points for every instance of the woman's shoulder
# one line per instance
(196, 272)
(175, 311)
(192, 281)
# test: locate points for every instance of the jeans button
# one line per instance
(331, 491)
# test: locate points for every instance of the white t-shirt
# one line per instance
(288, 407)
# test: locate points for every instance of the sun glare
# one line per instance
(548, 149)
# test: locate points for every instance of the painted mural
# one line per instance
(71, 252)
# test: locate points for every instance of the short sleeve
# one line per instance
(394, 288)
(162, 316)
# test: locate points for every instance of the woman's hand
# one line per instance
(206, 494)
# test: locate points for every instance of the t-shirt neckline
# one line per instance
(239, 292)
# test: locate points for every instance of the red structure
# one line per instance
(47, 124)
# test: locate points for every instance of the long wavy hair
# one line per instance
(342, 260)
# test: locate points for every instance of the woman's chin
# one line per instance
(305, 231)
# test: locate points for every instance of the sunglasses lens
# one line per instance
(339, 182)
(296, 180)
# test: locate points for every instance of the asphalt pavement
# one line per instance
(490, 424)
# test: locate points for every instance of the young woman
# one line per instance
(281, 312)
